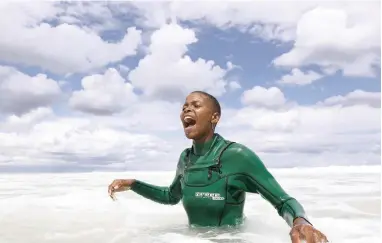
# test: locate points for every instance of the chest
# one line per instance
(211, 183)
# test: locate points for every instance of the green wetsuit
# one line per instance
(212, 179)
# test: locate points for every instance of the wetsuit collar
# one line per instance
(203, 148)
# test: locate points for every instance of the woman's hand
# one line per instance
(119, 185)
(302, 230)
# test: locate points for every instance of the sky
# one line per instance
(94, 86)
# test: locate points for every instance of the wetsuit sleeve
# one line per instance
(169, 195)
(257, 179)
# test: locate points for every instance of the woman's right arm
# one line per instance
(170, 195)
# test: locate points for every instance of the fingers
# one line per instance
(295, 236)
(116, 186)
(309, 234)
(317, 237)
(112, 196)
(111, 189)
(320, 237)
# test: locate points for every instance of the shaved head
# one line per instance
(213, 100)
(200, 115)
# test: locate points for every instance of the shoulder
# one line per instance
(240, 158)
(182, 158)
(240, 153)
(239, 149)
(183, 154)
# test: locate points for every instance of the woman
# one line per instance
(213, 176)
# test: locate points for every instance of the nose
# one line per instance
(187, 109)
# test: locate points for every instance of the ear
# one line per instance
(215, 118)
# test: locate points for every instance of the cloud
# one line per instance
(167, 73)
(92, 15)
(255, 17)
(262, 97)
(103, 94)
(355, 49)
(20, 93)
(298, 77)
(129, 109)
(309, 136)
(63, 48)
(234, 85)
(356, 97)
(145, 116)
(24, 122)
(151, 131)
(42, 139)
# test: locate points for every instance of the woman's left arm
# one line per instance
(256, 178)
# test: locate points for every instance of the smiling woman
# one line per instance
(213, 176)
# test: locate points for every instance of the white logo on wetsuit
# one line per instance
(210, 195)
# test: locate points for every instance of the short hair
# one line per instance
(214, 101)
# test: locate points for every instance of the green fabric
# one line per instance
(202, 148)
(212, 185)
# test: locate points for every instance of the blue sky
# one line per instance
(329, 106)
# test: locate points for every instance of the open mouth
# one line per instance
(188, 121)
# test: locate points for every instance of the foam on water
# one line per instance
(344, 202)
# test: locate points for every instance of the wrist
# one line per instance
(131, 182)
(300, 221)
(126, 184)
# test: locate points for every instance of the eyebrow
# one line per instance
(191, 102)
(195, 101)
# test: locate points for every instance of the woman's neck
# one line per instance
(201, 146)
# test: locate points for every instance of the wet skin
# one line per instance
(199, 118)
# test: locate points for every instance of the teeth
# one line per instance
(188, 119)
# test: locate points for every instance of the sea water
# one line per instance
(342, 202)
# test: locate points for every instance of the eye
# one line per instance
(197, 105)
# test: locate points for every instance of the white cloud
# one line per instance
(291, 136)
(147, 116)
(166, 72)
(301, 135)
(345, 36)
(240, 15)
(298, 77)
(24, 122)
(263, 97)
(358, 24)
(148, 134)
(92, 15)
(103, 94)
(123, 69)
(355, 97)
(234, 85)
(42, 139)
(62, 49)
(76, 142)
(341, 130)
(345, 39)
(20, 93)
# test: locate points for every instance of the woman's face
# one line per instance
(198, 117)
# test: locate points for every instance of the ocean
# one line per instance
(343, 202)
